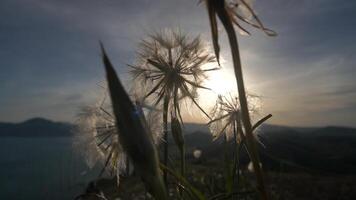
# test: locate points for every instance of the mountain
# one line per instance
(40, 127)
(195, 127)
(36, 127)
(326, 149)
(330, 150)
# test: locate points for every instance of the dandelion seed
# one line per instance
(197, 153)
(250, 167)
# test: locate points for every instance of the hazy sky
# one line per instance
(50, 59)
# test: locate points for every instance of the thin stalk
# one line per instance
(182, 147)
(225, 150)
(243, 103)
(235, 156)
(238, 165)
(182, 169)
(127, 166)
(178, 137)
(228, 182)
(165, 135)
(239, 148)
(182, 162)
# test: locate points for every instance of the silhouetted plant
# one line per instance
(133, 135)
(226, 122)
(226, 115)
(97, 126)
(99, 134)
(229, 13)
(171, 66)
(178, 137)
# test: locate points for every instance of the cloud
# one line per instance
(53, 63)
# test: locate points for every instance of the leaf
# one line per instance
(218, 119)
(214, 28)
(267, 31)
(261, 121)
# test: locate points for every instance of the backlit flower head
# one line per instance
(226, 115)
(171, 65)
(100, 139)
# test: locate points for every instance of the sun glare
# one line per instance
(221, 82)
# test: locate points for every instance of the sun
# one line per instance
(221, 82)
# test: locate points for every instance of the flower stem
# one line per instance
(243, 103)
(235, 155)
(182, 168)
(165, 135)
(182, 160)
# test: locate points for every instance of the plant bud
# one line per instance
(134, 138)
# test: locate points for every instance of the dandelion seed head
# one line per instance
(226, 115)
(171, 65)
(99, 140)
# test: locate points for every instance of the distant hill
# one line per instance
(323, 150)
(327, 149)
(195, 127)
(40, 127)
(314, 149)
(36, 127)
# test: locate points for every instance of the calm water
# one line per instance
(41, 168)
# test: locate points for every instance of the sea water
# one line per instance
(42, 168)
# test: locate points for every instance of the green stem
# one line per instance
(182, 168)
(243, 103)
(235, 157)
(182, 160)
(165, 135)
(227, 165)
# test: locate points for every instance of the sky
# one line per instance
(50, 62)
